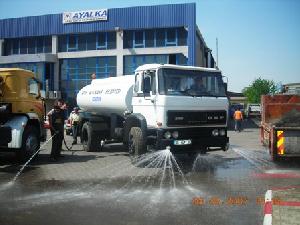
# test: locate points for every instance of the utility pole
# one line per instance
(217, 47)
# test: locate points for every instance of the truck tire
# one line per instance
(88, 138)
(30, 143)
(136, 142)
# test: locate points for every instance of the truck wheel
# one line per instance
(30, 143)
(136, 143)
(88, 139)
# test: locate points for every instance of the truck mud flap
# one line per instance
(5, 134)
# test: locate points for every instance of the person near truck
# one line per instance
(238, 118)
(74, 118)
(56, 122)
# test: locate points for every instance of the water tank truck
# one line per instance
(159, 106)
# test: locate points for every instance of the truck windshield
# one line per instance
(191, 83)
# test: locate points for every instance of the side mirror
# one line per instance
(43, 94)
(225, 81)
(225, 87)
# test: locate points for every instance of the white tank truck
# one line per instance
(160, 106)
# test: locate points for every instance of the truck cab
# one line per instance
(185, 108)
(21, 112)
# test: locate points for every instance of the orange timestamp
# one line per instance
(231, 200)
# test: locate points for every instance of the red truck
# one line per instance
(280, 125)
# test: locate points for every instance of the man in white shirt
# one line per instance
(74, 118)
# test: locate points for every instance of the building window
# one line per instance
(16, 46)
(101, 41)
(30, 45)
(90, 41)
(139, 39)
(47, 44)
(72, 44)
(150, 40)
(23, 46)
(111, 40)
(87, 42)
(171, 37)
(40, 45)
(76, 73)
(7, 47)
(155, 38)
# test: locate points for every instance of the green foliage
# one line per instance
(258, 88)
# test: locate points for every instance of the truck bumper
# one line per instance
(16, 125)
(6, 136)
(193, 140)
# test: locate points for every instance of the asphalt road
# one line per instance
(105, 188)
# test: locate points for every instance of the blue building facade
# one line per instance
(64, 55)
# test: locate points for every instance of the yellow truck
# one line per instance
(22, 112)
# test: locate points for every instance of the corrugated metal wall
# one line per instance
(125, 18)
(141, 17)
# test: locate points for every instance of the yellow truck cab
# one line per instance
(21, 112)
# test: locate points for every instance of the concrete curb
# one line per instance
(268, 208)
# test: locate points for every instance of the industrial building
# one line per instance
(63, 50)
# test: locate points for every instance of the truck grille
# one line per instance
(195, 118)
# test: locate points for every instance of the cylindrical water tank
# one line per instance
(107, 96)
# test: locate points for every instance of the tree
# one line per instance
(258, 88)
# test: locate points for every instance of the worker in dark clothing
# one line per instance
(56, 121)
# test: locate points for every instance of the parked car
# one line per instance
(253, 110)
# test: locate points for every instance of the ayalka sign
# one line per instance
(85, 16)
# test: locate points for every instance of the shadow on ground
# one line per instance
(246, 124)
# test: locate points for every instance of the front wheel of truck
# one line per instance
(136, 142)
(30, 143)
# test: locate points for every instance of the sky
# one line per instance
(256, 38)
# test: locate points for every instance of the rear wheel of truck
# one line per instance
(136, 142)
(88, 138)
(30, 143)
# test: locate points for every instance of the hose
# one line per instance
(68, 148)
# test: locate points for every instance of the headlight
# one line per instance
(175, 134)
(222, 132)
(215, 132)
(167, 135)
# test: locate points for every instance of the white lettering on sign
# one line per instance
(85, 16)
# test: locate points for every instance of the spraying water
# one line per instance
(29, 160)
(166, 164)
(256, 158)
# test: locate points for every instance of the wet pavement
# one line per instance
(106, 188)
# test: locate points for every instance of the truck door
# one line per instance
(144, 102)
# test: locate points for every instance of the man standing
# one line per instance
(56, 122)
(238, 118)
(74, 117)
